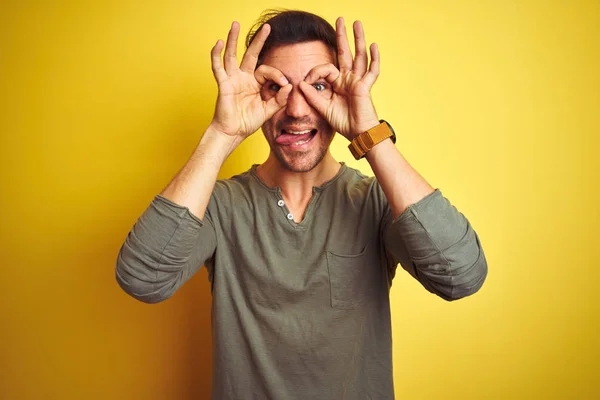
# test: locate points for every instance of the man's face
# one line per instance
(298, 136)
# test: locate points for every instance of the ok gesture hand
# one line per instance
(240, 111)
(350, 110)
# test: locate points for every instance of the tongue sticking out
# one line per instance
(288, 138)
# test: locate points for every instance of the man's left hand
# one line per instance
(349, 110)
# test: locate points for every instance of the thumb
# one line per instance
(314, 98)
(278, 101)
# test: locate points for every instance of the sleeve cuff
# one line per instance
(178, 209)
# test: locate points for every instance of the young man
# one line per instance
(301, 250)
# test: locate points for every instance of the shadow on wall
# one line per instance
(176, 333)
(166, 345)
(194, 301)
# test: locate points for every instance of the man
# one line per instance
(301, 250)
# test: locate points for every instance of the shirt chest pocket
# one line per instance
(355, 279)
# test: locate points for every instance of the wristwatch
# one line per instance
(360, 145)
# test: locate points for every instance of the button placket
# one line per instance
(286, 212)
(281, 204)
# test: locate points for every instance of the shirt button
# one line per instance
(280, 203)
(290, 217)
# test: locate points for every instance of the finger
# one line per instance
(216, 63)
(230, 58)
(278, 101)
(360, 50)
(313, 97)
(324, 71)
(373, 73)
(251, 56)
(344, 54)
(265, 73)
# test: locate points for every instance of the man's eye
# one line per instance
(274, 87)
(319, 86)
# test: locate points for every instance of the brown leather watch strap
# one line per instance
(360, 145)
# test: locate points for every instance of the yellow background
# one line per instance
(495, 102)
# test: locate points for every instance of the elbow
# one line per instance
(453, 287)
(468, 269)
(470, 276)
(461, 274)
(138, 285)
(468, 283)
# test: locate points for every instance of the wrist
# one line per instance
(363, 127)
(218, 144)
(364, 142)
(216, 128)
(379, 151)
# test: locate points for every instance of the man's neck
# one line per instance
(273, 174)
(297, 187)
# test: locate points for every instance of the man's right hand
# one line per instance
(240, 110)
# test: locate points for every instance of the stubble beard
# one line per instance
(303, 161)
(299, 161)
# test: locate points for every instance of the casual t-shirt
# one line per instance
(301, 310)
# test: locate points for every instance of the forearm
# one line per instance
(400, 182)
(193, 185)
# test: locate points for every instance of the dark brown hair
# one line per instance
(292, 26)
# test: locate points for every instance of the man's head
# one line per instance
(298, 135)
(292, 26)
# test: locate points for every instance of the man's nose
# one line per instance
(297, 106)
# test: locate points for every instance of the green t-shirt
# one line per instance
(301, 310)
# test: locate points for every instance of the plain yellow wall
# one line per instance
(495, 102)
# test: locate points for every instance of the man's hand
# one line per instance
(349, 110)
(240, 111)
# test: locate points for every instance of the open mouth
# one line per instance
(298, 138)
